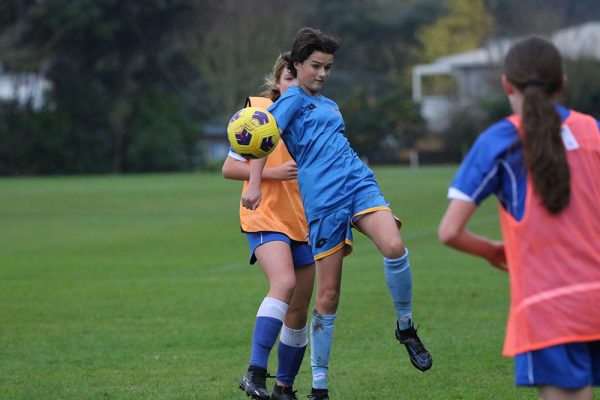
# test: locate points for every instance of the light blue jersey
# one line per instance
(330, 173)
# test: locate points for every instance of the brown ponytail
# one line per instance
(534, 66)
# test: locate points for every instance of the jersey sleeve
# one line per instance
(235, 155)
(287, 108)
(479, 175)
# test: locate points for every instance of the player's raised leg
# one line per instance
(381, 227)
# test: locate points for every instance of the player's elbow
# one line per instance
(227, 171)
(447, 234)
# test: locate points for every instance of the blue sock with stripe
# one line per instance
(269, 320)
(399, 281)
(321, 337)
(292, 345)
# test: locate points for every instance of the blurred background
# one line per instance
(123, 86)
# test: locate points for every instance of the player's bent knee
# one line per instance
(394, 249)
(296, 317)
(327, 301)
(284, 286)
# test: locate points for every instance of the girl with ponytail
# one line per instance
(535, 70)
(543, 165)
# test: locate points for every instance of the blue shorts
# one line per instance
(567, 366)
(333, 232)
(301, 254)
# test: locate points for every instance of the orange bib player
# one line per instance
(555, 289)
(277, 235)
(272, 216)
(543, 165)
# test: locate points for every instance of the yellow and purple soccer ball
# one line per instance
(253, 132)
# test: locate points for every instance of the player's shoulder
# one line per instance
(494, 142)
(292, 92)
(499, 129)
(258, 101)
(290, 98)
(586, 116)
(503, 133)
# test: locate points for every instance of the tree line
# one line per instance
(133, 84)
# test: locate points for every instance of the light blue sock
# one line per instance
(399, 281)
(292, 345)
(269, 320)
(321, 337)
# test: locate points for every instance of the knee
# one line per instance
(296, 316)
(393, 248)
(327, 300)
(284, 286)
(299, 305)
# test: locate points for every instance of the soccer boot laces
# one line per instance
(418, 354)
(283, 393)
(253, 383)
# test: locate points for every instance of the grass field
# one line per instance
(137, 287)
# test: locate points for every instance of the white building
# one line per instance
(476, 72)
(23, 87)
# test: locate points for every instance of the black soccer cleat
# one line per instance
(418, 354)
(283, 393)
(319, 394)
(253, 383)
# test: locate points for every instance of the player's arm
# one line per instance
(452, 232)
(240, 170)
(252, 195)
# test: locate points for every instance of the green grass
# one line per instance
(136, 287)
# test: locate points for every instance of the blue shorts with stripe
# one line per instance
(333, 231)
(301, 254)
(567, 366)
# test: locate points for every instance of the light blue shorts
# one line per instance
(301, 253)
(567, 366)
(333, 231)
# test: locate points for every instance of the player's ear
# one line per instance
(507, 86)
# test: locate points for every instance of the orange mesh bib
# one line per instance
(554, 260)
(281, 208)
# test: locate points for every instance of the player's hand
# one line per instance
(286, 171)
(251, 197)
(497, 256)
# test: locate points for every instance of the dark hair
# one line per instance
(270, 89)
(534, 67)
(309, 40)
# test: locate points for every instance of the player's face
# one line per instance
(285, 81)
(314, 71)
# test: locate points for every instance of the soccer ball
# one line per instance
(253, 132)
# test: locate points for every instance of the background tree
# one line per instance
(514, 18)
(583, 86)
(371, 81)
(234, 47)
(133, 84)
(466, 26)
(111, 63)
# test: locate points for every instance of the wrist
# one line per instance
(268, 173)
(254, 181)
